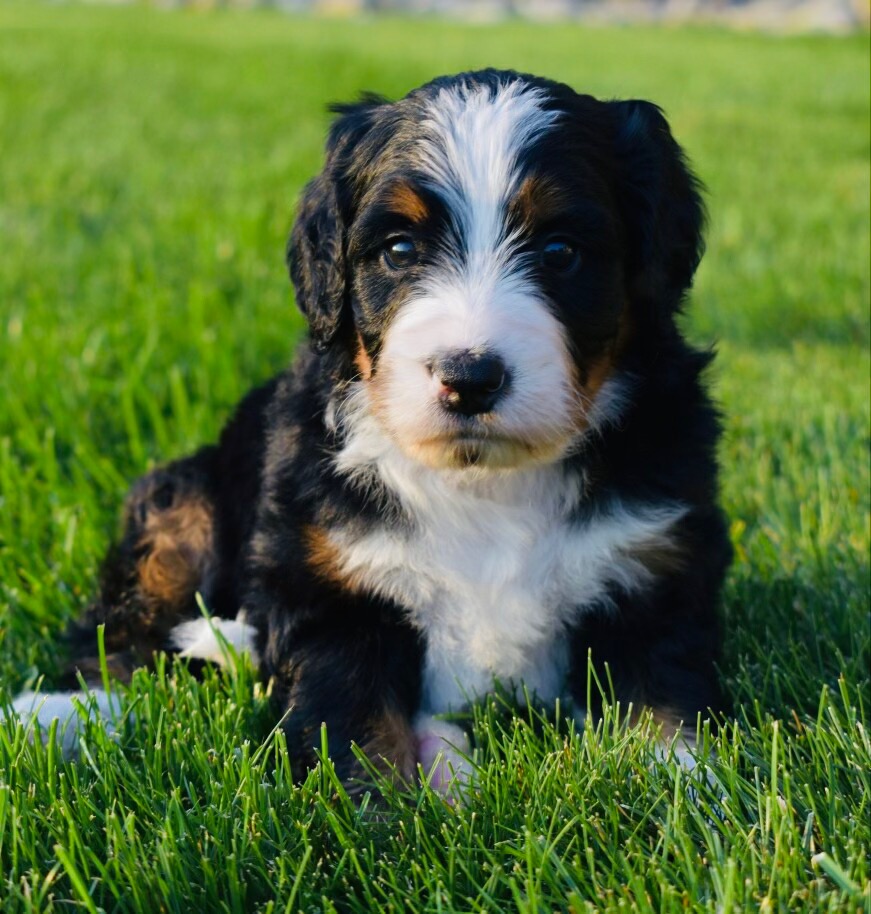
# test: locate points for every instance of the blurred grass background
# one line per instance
(149, 166)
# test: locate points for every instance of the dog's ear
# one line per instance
(316, 247)
(662, 204)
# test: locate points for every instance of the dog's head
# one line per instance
(483, 252)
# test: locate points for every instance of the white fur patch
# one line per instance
(37, 710)
(208, 639)
(472, 139)
(492, 568)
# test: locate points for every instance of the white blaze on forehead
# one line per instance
(481, 295)
(473, 137)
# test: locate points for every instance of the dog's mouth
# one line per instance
(467, 450)
(494, 440)
(472, 450)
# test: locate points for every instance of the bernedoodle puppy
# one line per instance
(492, 457)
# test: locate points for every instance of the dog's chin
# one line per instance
(480, 454)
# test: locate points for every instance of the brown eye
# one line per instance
(560, 255)
(400, 253)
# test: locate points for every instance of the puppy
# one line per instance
(492, 458)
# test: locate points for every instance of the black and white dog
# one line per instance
(493, 456)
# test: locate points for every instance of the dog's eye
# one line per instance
(559, 255)
(400, 253)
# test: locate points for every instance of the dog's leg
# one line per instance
(658, 649)
(348, 665)
(150, 578)
(665, 669)
(148, 585)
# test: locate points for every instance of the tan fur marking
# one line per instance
(391, 743)
(536, 200)
(597, 373)
(404, 200)
(325, 559)
(603, 367)
(179, 545)
(377, 390)
(362, 360)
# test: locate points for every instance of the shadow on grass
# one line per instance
(788, 636)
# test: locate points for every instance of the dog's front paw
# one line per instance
(208, 639)
(443, 754)
(72, 710)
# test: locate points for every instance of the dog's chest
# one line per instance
(493, 576)
(491, 600)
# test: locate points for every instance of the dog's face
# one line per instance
(485, 251)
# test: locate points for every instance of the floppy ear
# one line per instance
(316, 260)
(316, 248)
(662, 204)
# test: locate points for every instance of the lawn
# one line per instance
(149, 165)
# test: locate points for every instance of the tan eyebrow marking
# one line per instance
(535, 200)
(404, 200)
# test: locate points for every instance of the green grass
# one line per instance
(149, 164)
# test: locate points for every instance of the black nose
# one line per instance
(472, 381)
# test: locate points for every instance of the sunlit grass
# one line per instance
(149, 165)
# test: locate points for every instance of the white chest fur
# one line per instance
(492, 570)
